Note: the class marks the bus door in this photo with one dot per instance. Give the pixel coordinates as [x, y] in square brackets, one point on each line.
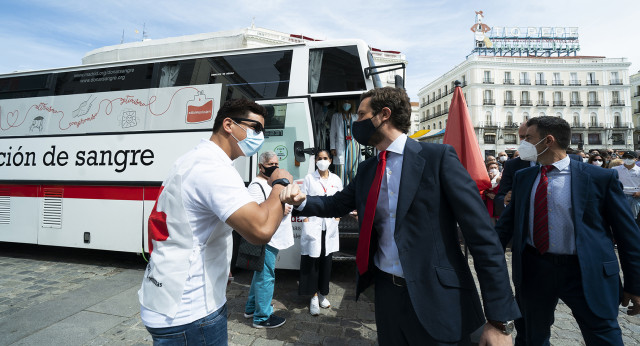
[288, 121]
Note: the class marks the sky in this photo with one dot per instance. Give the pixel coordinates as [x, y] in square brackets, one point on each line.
[435, 36]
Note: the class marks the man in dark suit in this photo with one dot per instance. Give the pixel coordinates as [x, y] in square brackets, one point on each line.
[424, 289]
[562, 218]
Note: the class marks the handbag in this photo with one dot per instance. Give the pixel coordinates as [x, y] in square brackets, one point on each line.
[251, 256]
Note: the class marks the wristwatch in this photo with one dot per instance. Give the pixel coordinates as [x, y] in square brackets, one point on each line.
[505, 327]
[281, 181]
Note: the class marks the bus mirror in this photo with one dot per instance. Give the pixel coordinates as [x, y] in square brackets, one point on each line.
[399, 82]
[299, 151]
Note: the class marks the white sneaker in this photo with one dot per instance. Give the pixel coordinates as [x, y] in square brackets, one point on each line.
[314, 308]
[324, 302]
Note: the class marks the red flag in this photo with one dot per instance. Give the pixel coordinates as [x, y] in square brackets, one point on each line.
[460, 134]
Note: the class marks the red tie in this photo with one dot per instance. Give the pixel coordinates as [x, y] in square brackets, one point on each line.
[362, 255]
[540, 213]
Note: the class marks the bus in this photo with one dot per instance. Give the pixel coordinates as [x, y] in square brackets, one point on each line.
[84, 150]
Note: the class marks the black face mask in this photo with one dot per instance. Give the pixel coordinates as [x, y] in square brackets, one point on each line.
[363, 130]
[269, 170]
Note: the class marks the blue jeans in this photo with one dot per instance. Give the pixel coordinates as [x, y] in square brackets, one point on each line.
[261, 292]
[209, 330]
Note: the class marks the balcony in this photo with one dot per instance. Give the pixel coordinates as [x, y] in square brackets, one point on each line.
[489, 124]
[636, 94]
[525, 82]
[423, 104]
[541, 82]
[615, 82]
[596, 125]
[526, 103]
[508, 81]
[576, 104]
[620, 125]
[509, 102]
[593, 82]
[489, 102]
[594, 104]
[575, 83]
[636, 111]
[617, 103]
[542, 104]
[487, 81]
[559, 104]
[557, 83]
[579, 125]
[593, 141]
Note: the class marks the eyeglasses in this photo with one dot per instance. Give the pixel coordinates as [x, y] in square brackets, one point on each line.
[256, 125]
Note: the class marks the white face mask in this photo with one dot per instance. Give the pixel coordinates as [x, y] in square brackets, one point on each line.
[596, 163]
[503, 158]
[629, 162]
[585, 160]
[323, 165]
[494, 171]
[528, 151]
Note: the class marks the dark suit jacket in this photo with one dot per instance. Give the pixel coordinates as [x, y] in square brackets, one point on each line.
[435, 194]
[506, 179]
[599, 208]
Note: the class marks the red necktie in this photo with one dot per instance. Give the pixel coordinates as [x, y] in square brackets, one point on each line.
[540, 213]
[364, 241]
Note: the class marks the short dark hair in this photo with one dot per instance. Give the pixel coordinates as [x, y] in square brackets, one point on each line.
[397, 100]
[237, 108]
[555, 126]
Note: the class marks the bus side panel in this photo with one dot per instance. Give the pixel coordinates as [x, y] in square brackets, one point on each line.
[112, 225]
[22, 224]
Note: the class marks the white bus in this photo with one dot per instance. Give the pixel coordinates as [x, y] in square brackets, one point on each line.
[83, 150]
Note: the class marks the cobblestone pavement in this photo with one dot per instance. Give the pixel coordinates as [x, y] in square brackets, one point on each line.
[36, 282]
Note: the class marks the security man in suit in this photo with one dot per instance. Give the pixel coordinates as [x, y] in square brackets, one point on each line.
[503, 197]
[563, 217]
[408, 244]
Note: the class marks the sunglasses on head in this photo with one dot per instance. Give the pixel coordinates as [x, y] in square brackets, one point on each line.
[255, 125]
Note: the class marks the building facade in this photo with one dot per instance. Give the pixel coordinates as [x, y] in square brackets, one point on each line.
[593, 94]
[634, 80]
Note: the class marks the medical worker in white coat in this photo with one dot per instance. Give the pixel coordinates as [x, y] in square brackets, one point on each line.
[319, 239]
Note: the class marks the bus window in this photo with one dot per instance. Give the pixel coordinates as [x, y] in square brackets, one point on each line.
[27, 86]
[127, 77]
[376, 77]
[335, 69]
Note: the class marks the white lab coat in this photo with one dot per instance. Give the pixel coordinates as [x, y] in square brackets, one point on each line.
[311, 237]
[337, 136]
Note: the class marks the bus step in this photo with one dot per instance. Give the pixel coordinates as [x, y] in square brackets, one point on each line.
[341, 256]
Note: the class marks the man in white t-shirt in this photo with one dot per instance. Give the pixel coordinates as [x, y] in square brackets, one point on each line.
[629, 176]
[261, 292]
[183, 290]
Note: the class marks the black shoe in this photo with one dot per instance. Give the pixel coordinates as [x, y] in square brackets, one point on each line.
[272, 322]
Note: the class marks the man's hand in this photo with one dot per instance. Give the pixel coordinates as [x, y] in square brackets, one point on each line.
[634, 308]
[636, 194]
[491, 336]
[490, 195]
[287, 209]
[507, 198]
[278, 174]
[291, 194]
[333, 153]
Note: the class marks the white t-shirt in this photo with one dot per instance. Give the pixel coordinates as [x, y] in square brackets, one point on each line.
[189, 269]
[283, 237]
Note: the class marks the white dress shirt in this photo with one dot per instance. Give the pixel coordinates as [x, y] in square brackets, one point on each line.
[562, 240]
[387, 258]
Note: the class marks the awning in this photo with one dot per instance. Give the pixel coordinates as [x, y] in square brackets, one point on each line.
[419, 134]
[441, 132]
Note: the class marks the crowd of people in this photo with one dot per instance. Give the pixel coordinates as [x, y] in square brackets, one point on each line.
[560, 216]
